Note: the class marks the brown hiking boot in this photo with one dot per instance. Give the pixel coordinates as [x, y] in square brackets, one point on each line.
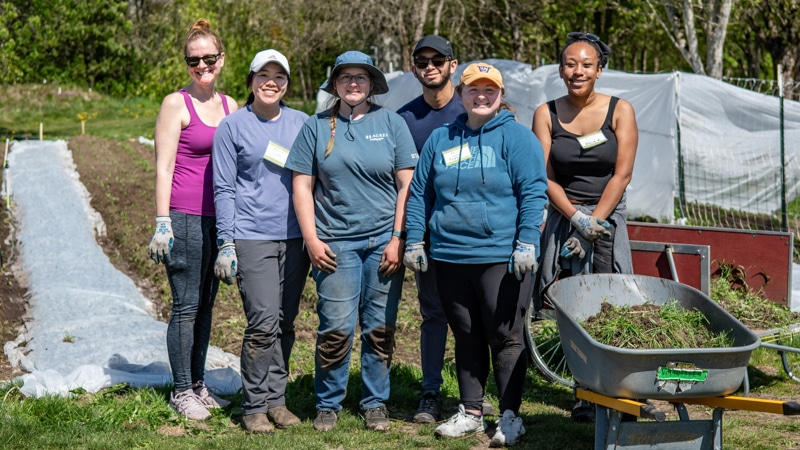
[325, 421]
[282, 417]
[377, 419]
[257, 424]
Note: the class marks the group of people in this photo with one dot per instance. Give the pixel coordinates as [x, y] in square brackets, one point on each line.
[451, 186]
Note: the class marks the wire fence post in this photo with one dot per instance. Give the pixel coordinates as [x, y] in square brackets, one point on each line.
[784, 212]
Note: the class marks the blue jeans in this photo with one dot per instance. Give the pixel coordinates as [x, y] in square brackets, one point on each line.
[271, 277]
[355, 291]
[433, 330]
[190, 271]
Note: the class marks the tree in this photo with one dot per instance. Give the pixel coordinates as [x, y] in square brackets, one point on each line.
[775, 27]
[678, 20]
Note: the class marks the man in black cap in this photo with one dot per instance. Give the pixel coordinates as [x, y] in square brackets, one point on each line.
[438, 105]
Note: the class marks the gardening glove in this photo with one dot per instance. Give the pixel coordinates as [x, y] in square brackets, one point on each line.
[575, 245]
[225, 266]
[161, 242]
[590, 227]
[415, 258]
[523, 259]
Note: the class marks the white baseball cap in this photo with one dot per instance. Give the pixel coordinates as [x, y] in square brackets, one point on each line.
[264, 57]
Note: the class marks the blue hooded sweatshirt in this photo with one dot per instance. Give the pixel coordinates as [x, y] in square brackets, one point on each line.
[477, 191]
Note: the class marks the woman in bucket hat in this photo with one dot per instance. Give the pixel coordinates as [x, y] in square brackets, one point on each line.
[352, 166]
[480, 190]
[259, 237]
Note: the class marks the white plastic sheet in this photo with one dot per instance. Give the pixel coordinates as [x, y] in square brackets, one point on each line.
[89, 326]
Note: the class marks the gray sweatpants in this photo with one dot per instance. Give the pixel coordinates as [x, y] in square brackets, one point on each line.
[271, 277]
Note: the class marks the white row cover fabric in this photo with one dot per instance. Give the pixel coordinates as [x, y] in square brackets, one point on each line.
[89, 326]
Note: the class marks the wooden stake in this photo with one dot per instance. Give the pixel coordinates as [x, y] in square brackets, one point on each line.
[41, 131]
[83, 127]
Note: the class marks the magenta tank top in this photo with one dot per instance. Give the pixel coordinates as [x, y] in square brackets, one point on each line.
[192, 179]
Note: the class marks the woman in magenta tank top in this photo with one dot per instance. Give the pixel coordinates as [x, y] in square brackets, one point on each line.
[185, 235]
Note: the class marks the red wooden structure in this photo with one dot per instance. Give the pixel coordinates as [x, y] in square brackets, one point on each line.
[763, 259]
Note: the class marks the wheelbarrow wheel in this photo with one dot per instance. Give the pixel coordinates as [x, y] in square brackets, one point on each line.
[790, 357]
[544, 345]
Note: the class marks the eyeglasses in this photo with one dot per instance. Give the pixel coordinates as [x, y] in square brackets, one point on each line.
[194, 61]
[576, 35]
[438, 61]
[346, 78]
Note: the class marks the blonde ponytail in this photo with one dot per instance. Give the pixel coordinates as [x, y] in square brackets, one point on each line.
[334, 116]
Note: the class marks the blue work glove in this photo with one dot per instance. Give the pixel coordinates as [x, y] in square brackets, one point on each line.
[575, 245]
[523, 259]
[590, 227]
[161, 242]
[415, 258]
[225, 265]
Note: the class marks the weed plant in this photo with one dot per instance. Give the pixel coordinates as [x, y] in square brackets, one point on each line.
[651, 326]
[750, 308]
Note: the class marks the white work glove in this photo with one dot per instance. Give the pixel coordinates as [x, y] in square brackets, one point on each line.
[161, 242]
[575, 245]
[415, 258]
[590, 227]
[523, 259]
[225, 265]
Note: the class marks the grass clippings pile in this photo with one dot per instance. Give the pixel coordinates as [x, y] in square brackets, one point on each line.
[748, 307]
[650, 326]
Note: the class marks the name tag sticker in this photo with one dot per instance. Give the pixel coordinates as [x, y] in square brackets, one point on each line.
[276, 154]
[456, 154]
[592, 139]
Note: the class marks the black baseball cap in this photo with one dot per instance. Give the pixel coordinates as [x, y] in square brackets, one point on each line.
[437, 43]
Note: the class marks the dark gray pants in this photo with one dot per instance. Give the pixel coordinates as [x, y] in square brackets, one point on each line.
[190, 271]
[433, 330]
[271, 277]
[485, 307]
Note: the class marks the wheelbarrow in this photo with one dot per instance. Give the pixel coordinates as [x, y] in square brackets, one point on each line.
[620, 380]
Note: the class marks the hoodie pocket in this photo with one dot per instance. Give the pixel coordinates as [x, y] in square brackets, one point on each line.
[463, 219]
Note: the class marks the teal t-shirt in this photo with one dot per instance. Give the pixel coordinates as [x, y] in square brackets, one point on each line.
[355, 192]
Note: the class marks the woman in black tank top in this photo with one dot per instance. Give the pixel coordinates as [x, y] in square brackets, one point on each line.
[589, 141]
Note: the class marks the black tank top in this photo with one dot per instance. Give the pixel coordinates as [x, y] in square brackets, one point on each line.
[583, 173]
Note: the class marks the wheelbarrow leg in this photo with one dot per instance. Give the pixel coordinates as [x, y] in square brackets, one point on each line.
[606, 428]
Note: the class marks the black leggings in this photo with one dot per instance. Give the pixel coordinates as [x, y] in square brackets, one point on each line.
[485, 307]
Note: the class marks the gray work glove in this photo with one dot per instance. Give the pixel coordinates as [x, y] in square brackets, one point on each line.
[225, 266]
[523, 259]
[575, 245]
[590, 227]
[415, 258]
[161, 242]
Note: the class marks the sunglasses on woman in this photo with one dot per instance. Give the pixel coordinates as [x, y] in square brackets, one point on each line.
[438, 61]
[194, 61]
[580, 35]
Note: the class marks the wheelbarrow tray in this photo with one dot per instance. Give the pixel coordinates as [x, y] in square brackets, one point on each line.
[647, 373]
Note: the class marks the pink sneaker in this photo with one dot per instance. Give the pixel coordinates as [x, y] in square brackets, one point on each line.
[189, 405]
[208, 398]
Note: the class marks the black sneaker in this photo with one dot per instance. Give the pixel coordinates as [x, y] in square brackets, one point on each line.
[430, 408]
[583, 412]
[325, 421]
[377, 419]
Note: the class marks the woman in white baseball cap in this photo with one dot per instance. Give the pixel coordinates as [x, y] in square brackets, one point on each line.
[259, 237]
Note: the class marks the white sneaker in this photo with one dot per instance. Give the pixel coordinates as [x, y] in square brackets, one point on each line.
[188, 404]
[208, 398]
[509, 430]
[461, 424]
